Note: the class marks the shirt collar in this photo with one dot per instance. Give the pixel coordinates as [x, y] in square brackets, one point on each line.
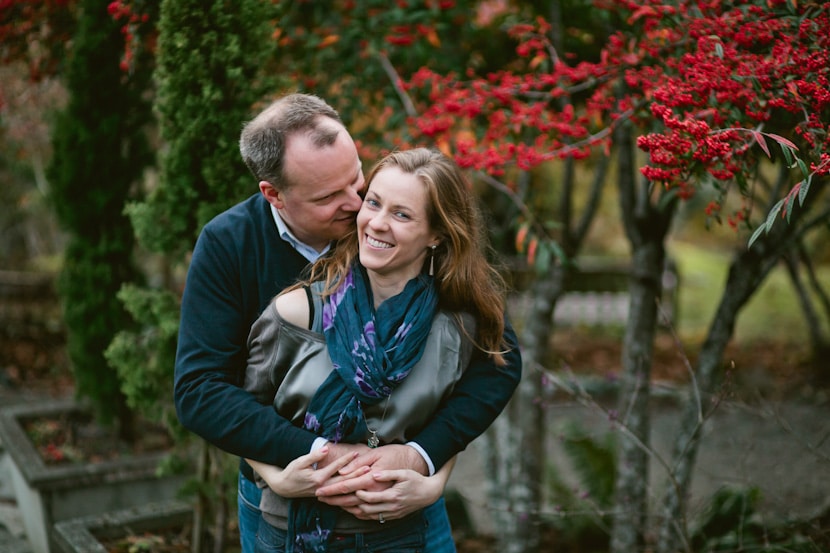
[302, 248]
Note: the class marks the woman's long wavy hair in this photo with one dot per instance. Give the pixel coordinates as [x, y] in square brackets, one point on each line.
[466, 281]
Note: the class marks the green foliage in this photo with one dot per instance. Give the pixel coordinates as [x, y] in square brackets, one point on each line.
[209, 57]
[584, 521]
[208, 74]
[99, 153]
[142, 358]
[730, 523]
[207, 83]
[785, 206]
[727, 517]
[89, 281]
[206, 78]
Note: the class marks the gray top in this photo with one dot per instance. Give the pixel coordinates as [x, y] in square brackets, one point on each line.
[288, 363]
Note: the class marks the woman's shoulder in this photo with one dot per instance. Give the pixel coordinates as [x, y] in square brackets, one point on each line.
[292, 307]
[460, 322]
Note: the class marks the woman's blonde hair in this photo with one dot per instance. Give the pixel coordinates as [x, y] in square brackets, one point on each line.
[465, 280]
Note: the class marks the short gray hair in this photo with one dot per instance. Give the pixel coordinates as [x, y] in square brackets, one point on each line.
[263, 139]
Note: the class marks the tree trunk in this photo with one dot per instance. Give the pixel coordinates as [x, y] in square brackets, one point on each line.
[516, 444]
[646, 228]
[819, 375]
[630, 505]
[747, 271]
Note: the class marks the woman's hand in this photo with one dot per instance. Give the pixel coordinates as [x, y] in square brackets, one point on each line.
[301, 477]
[403, 491]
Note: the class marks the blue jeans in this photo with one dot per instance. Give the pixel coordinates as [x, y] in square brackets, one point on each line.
[439, 533]
[249, 513]
[438, 537]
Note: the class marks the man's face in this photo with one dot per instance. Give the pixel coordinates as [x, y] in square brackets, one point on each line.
[325, 192]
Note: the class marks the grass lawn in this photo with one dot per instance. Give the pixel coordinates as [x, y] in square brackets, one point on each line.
[773, 312]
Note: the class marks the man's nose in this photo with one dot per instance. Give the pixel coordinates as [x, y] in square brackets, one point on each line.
[355, 199]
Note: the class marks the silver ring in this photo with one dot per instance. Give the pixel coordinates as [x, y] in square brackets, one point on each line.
[380, 518]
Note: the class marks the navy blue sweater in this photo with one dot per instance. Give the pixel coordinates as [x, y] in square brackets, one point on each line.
[239, 264]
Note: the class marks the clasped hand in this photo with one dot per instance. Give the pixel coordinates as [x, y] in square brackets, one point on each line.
[362, 481]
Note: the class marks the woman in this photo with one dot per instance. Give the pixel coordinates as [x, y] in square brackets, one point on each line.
[369, 347]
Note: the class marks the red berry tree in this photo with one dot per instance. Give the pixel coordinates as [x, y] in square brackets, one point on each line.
[689, 97]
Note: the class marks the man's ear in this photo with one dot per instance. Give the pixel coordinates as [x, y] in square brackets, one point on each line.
[272, 195]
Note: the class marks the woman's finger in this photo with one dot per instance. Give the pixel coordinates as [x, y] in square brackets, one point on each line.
[333, 467]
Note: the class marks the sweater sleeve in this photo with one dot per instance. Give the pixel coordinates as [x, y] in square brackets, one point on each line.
[211, 359]
[479, 397]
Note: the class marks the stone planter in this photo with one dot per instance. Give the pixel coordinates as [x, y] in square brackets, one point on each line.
[48, 494]
[87, 534]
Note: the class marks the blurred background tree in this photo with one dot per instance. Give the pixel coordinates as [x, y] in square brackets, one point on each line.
[711, 95]
[100, 153]
[209, 77]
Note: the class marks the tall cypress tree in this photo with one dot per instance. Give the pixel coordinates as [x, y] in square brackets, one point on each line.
[208, 70]
[208, 73]
[100, 152]
[210, 59]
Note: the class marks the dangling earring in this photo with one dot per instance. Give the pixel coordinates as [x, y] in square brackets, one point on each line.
[432, 261]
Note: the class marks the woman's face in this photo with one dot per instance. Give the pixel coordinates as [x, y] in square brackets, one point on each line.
[392, 225]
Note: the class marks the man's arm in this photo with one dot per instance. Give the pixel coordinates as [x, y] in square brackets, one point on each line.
[477, 399]
[210, 363]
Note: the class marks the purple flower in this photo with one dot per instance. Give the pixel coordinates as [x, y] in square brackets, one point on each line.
[314, 541]
[330, 307]
[311, 422]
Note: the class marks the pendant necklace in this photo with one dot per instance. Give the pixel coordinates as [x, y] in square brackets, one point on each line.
[373, 440]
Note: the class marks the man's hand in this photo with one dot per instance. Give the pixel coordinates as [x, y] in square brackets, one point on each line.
[340, 491]
[389, 457]
[338, 451]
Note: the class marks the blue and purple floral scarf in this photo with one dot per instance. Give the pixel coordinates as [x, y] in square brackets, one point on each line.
[372, 352]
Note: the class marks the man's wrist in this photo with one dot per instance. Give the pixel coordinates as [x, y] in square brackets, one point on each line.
[430, 468]
[318, 443]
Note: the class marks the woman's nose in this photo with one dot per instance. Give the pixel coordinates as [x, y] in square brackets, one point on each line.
[378, 220]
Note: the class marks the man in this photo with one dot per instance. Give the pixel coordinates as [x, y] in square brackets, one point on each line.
[310, 181]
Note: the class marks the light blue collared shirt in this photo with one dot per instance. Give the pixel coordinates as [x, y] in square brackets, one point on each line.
[304, 249]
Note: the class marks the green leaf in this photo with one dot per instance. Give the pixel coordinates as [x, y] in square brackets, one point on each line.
[559, 253]
[788, 154]
[790, 202]
[543, 258]
[719, 50]
[805, 188]
[803, 167]
[773, 213]
[755, 235]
